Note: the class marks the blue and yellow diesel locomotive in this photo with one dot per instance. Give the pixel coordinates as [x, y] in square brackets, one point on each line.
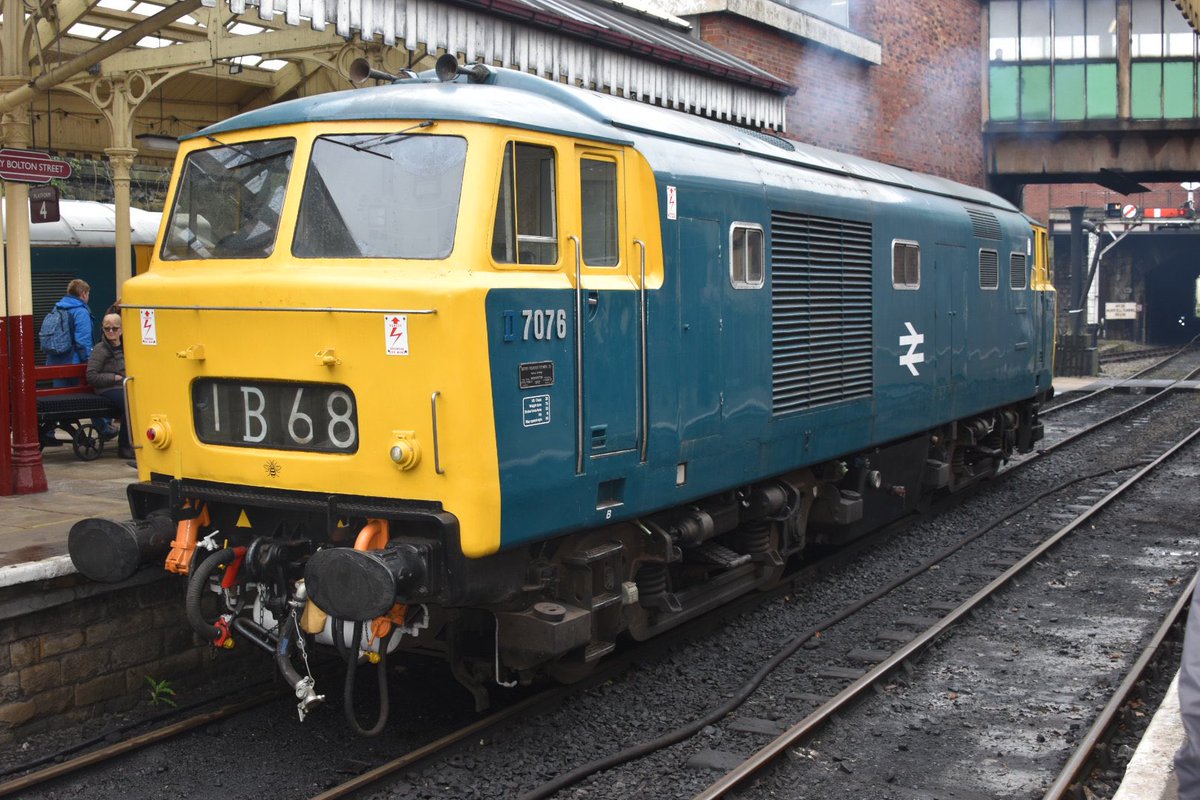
[480, 365]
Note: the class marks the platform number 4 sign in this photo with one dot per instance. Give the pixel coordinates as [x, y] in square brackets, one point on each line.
[43, 204]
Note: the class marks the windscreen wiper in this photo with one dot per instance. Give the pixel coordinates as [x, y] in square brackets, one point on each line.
[379, 141]
[247, 153]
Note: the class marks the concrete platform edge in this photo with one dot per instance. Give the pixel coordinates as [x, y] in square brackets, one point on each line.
[1150, 774]
[36, 571]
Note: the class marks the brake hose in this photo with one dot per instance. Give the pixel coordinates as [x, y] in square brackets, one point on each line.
[351, 656]
[195, 590]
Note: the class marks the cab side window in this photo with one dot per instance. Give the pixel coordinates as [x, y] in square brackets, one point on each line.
[906, 265]
[746, 255]
[598, 192]
[526, 226]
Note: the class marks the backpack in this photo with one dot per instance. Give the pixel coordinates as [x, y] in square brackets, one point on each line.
[57, 335]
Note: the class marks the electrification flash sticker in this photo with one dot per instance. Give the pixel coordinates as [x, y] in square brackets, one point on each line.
[672, 202]
[395, 334]
[148, 326]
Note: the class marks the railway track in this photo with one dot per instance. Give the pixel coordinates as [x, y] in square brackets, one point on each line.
[423, 753]
[1093, 750]
[1179, 364]
[872, 678]
[152, 737]
[1137, 355]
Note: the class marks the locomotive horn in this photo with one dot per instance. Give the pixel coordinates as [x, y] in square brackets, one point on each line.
[447, 68]
[361, 71]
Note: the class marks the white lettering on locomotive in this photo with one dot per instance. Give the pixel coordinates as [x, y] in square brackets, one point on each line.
[543, 325]
[254, 414]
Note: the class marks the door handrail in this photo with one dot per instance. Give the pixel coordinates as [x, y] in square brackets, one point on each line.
[578, 354]
[644, 433]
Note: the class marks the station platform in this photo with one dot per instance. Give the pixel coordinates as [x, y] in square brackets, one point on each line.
[34, 527]
[1150, 774]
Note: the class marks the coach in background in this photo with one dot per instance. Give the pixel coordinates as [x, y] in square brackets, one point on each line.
[106, 374]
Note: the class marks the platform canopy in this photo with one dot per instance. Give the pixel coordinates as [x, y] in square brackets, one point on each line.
[248, 53]
[1191, 10]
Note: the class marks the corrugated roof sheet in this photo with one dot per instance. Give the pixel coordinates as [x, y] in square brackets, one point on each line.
[610, 46]
[631, 32]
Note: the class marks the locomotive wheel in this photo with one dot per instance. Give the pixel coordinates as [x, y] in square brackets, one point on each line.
[566, 669]
[87, 443]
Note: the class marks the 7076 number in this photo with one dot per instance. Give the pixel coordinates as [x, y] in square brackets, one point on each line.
[545, 324]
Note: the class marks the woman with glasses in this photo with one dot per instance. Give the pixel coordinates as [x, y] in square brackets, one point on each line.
[106, 374]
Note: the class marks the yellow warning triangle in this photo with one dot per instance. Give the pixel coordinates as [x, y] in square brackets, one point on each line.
[243, 520]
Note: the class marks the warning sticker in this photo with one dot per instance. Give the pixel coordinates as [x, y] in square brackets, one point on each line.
[395, 334]
[149, 327]
[535, 410]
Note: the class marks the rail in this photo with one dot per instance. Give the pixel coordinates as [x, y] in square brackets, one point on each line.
[858, 688]
[1076, 767]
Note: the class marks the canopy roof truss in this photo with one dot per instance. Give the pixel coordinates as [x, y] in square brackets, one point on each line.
[234, 55]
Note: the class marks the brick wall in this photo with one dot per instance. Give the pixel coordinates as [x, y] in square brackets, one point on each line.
[920, 109]
[71, 649]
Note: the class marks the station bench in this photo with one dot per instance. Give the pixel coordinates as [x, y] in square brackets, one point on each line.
[66, 409]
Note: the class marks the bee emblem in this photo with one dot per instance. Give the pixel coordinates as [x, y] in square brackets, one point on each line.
[273, 468]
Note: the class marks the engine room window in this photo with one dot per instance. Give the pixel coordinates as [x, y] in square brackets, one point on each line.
[989, 269]
[526, 227]
[598, 194]
[906, 265]
[229, 201]
[746, 256]
[1017, 273]
[381, 196]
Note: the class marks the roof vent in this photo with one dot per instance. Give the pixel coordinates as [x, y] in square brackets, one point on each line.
[778, 141]
[985, 224]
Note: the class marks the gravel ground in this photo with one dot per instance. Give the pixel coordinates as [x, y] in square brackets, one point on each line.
[995, 709]
[1104, 782]
[268, 752]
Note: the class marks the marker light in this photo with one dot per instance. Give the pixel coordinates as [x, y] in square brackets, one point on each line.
[405, 451]
[158, 434]
[405, 454]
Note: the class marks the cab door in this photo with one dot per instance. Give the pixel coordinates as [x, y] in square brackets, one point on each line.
[949, 328]
[607, 266]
